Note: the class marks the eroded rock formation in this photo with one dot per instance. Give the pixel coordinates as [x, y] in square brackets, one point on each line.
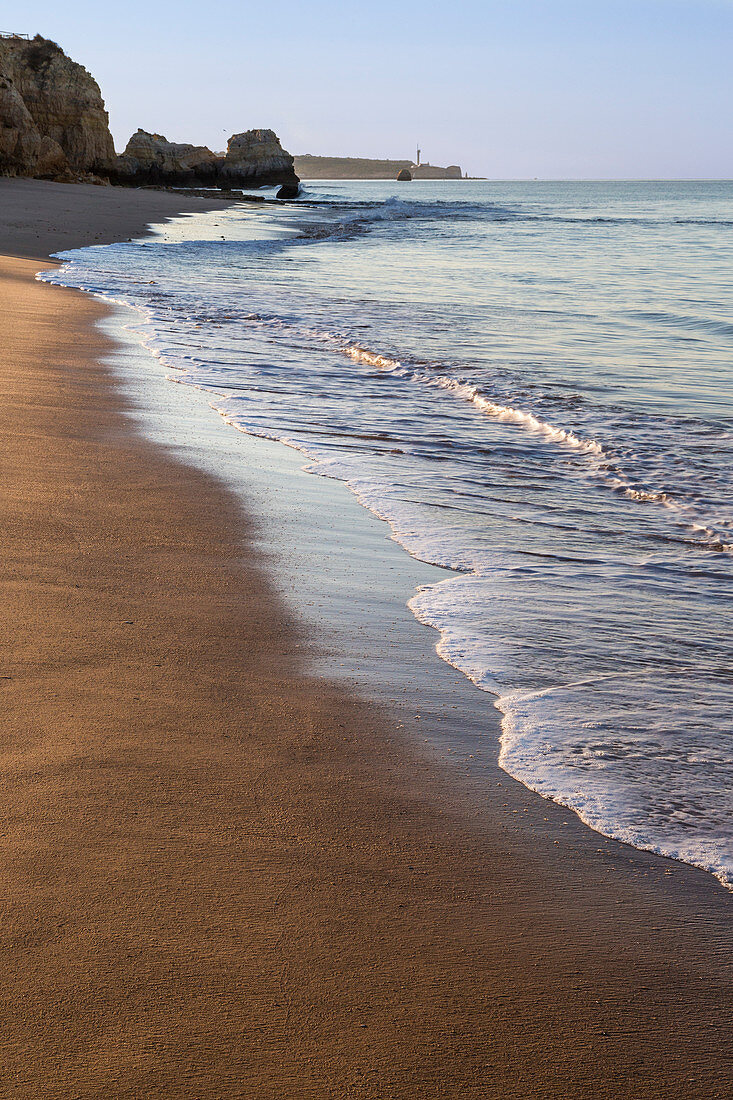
[53, 124]
[257, 154]
[254, 158]
[52, 116]
[151, 158]
[21, 146]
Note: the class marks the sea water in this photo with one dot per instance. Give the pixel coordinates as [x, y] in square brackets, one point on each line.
[533, 384]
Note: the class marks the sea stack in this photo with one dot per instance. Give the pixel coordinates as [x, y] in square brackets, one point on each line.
[404, 175]
[258, 155]
[254, 158]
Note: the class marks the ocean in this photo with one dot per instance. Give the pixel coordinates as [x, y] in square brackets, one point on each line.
[532, 383]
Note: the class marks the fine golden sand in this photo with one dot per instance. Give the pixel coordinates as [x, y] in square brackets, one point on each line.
[222, 877]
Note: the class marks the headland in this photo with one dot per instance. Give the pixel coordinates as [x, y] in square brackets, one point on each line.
[363, 168]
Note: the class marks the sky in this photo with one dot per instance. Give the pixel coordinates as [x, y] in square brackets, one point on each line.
[508, 89]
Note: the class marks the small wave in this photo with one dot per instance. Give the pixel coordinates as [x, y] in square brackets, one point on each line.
[528, 420]
[570, 773]
[604, 463]
[358, 218]
[371, 358]
[621, 221]
[362, 217]
[645, 496]
[708, 326]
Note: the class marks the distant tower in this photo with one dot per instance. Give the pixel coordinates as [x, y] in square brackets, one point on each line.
[417, 159]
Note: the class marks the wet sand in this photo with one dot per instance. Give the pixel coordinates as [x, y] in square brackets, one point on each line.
[225, 875]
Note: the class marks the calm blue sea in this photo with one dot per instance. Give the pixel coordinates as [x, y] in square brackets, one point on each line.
[533, 384]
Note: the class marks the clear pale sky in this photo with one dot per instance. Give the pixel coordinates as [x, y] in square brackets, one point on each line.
[560, 88]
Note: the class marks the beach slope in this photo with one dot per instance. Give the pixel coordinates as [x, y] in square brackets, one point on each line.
[225, 877]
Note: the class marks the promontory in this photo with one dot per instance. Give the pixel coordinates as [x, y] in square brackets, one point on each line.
[54, 125]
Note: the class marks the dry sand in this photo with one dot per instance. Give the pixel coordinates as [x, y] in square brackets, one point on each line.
[222, 877]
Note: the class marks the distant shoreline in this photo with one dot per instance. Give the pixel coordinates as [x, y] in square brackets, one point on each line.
[364, 168]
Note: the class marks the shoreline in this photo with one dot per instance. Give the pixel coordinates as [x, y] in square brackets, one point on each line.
[429, 607]
[370, 925]
[358, 589]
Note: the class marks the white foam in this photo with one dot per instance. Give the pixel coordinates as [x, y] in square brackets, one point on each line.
[603, 463]
[574, 777]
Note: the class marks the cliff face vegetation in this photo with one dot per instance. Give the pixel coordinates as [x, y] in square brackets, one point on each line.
[53, 125]
[52, 116]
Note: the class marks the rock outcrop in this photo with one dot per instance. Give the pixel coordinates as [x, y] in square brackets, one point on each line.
[52, 116]
[53, 125]
[404, 175]
[254, 158]
[257, 154]
[151, 158]
[22, 149]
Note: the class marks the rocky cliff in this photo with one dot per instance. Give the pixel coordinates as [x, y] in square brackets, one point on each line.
[22, 149]
[53, 124]
[254, 158]
[52, 116]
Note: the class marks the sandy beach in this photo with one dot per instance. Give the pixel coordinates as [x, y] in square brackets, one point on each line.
[225, 875]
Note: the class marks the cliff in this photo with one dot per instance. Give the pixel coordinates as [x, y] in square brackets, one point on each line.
[52, 116]
[361, 168]
[22, 149]
[53, 124]
[254, 158]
